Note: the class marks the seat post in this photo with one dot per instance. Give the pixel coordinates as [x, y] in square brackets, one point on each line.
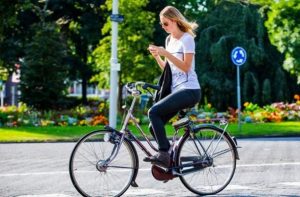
[182, 113]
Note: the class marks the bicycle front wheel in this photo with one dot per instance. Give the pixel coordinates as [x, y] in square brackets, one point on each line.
[91, 171]
[207, 161]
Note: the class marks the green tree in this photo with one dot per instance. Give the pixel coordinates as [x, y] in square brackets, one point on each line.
[80, 24]
[158, 35]
[251, 88]
[16, 18]
[266, 92]
[224, 26]
[44, 70]
[192, 9]
[280, 86]
[135, 35]
[284, 30]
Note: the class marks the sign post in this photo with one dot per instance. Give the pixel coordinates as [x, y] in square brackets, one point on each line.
[238, 57]
[2, 88]
[114, 65]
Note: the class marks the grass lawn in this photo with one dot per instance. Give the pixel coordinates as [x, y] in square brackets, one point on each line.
[72, 133]
[266, 129]
[42, 134]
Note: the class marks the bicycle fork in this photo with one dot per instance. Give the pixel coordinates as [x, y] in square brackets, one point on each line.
[117, 141]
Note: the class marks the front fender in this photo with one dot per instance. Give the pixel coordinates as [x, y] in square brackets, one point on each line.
[132, 148]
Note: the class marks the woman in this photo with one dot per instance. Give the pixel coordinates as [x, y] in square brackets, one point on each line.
[179, 54]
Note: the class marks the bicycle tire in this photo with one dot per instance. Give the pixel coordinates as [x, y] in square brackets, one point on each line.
[211, 173]
[112, 180]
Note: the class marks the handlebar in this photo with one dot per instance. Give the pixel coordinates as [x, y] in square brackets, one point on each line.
[132, 87]
[148, 85]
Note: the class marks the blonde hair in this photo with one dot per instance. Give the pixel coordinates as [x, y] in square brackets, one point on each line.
[184, 25]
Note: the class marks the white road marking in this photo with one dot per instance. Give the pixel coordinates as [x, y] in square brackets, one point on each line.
[34, 173]
[31, 160]
[48, 173]
[148, 191]
[144, 169]
[45, 195]
[268, 164]
[133, 192]
[238, 187]
[297, 184]
[144, 191]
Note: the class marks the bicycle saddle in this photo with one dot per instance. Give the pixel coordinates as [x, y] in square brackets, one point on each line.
[181, 122]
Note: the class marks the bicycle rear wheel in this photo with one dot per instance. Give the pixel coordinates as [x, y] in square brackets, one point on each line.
[89, 171]
[208, 161]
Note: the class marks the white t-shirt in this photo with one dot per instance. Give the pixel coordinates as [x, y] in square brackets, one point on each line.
[180, 79]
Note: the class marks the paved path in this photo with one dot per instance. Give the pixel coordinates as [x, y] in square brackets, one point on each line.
[268, 167]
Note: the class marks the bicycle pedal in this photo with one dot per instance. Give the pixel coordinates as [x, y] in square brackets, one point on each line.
[162, 166]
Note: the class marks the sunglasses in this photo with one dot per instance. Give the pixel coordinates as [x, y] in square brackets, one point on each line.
[164, 24]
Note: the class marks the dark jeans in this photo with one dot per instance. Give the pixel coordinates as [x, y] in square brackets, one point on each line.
[162, 111]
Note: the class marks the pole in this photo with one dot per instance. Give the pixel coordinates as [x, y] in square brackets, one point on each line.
[114, 68]
[238, 57]
[2, 95]
[13, 95]
[239, 96]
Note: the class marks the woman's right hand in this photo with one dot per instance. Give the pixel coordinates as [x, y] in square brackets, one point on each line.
[153, 50]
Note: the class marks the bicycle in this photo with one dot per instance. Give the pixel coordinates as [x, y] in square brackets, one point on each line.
[105, 162]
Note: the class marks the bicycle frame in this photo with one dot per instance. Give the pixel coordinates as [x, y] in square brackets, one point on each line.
[193, 148]
[126, 132]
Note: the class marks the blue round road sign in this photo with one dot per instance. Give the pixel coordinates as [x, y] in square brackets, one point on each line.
[238, 56]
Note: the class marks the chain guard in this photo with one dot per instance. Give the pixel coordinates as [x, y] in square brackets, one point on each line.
[160, 174]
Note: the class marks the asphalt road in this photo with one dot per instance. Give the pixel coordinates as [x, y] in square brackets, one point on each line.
[268, 167]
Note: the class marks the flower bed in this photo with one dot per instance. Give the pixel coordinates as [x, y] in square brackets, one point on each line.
[276, 112]
[96, 114]
[81, 115]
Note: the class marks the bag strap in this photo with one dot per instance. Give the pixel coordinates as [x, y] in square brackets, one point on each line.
[168, 40]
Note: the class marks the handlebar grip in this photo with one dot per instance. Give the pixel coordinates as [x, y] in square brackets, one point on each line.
[147, 85]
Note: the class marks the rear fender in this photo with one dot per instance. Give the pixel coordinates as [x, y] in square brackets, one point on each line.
[232, 140]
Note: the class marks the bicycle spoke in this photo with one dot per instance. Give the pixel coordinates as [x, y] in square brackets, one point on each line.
[92, 171]
[121, 167]
[87, 159]
[229, 150]
[212, 156]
